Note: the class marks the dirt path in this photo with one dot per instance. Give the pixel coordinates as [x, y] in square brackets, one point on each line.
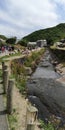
[20, 104]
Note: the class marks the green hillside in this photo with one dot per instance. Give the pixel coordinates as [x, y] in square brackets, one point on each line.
[3, 37]
[5, 40]
[52, 34]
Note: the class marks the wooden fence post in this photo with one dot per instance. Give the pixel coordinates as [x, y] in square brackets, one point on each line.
[5, 67]
[30, 126]
[10, 96]
[5, 80]
[31, 117]
[3, 63]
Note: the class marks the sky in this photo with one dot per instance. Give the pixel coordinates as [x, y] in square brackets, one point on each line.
[22, 17]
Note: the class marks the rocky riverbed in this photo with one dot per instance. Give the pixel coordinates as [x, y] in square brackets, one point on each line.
[47, 93]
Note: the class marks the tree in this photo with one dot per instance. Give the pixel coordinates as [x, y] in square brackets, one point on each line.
[11, 40]
[22, 42]
[3, 37]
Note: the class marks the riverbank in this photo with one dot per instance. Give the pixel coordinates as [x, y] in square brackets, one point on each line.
[60, 68]
[59, 63]
[44, 91]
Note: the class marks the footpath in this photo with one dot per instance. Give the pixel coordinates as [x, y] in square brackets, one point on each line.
[3, 116]
[19, 104]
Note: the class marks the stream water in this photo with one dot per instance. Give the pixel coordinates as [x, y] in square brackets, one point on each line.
[45, 92]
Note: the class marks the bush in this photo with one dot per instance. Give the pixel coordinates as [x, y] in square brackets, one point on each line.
[19, 70]
[21, 84]
[35, 56]
[11, 40]
[22, 43]
[48, 126]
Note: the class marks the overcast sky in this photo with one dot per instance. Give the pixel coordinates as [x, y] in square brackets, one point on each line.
[21, 17]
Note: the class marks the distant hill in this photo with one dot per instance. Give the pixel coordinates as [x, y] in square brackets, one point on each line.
[3, 37]
[52, 34]
[5, 40]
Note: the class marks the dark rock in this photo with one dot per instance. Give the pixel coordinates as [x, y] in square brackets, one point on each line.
[49, 93]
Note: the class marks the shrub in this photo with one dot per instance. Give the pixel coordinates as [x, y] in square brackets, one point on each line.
[48, 126]
[21, 84]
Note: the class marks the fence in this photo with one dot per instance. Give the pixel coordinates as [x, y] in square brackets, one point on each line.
[8, 85]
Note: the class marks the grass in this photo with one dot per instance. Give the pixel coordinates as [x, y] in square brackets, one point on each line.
[48, 126]
[12, 120]
[21, 85]
[34, 57]
[19, 71]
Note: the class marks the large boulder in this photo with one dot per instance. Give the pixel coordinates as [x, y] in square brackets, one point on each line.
[50, 92]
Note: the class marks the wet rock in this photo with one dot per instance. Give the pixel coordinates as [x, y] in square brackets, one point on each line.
[45, 64]
[49, 97]
[42, 110]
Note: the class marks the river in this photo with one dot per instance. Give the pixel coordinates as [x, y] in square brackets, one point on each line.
[46, 92]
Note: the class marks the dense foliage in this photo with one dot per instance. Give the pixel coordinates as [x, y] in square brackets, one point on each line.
[22, 42]
[60, 54]
[48, 126]
[11, 40]
[34, 59]
[52, 34]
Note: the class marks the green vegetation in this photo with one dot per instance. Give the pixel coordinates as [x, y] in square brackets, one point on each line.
[1, 43]
[48, 126]
[2, 40]
[11, 40]
[50, 34]
[12, 120]
[19, 70]
[21, 84]
[60, 54]
[3, 37]
[35, 57]
[22, 42]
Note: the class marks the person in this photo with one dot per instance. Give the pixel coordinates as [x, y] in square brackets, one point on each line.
[3, 49]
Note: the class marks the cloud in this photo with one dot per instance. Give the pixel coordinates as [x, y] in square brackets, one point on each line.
[25, 16]
[59, 1]
[60, 9]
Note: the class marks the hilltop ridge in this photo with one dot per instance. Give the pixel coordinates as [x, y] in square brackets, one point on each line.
[52, 34]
